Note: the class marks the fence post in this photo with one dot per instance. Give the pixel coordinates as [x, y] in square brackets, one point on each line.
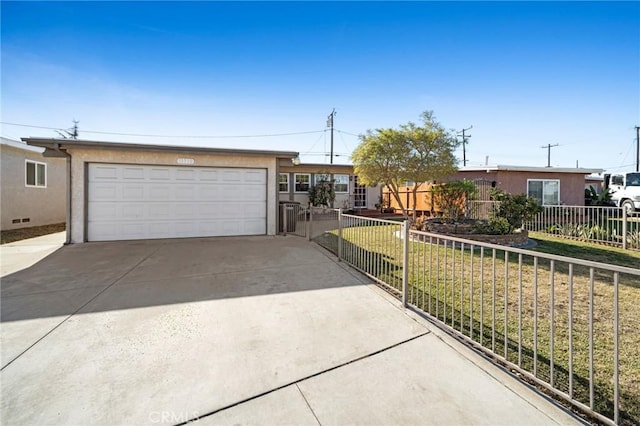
[310, 225]
[339, 235]
[405, 261]
[284, 219]
[624, 228]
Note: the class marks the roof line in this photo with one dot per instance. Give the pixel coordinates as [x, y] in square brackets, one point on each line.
[52, 143]
[502, 167]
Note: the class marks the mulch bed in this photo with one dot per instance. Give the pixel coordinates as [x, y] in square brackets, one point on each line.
[12, 235]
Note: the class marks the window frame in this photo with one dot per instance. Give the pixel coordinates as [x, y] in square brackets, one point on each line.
[36, 174]
[336, 183]
[542, 203]
[295, 183]
[282, 183]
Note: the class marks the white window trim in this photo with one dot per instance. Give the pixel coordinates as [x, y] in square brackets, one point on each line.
[295, 181]
[287, 175]
[348, 185]
[36, 163]
[545, 180]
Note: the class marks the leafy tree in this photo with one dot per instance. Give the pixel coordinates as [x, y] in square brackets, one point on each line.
[417, 153]
[592, 198]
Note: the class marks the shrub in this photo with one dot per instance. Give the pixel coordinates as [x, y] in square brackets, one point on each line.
[514, 208]
[451, 198]
[494, 226]
[633, 240]
[322, 194]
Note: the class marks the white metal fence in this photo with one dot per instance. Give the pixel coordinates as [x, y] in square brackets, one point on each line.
[558, 322]
[599, 224]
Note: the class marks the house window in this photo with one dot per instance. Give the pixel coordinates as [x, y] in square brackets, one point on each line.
[283, 183]
[546, 191]
[302, 181]
[35, 174]
[321, 177]
[341, 183]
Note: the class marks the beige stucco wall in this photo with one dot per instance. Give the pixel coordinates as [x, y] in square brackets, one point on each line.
[82, 156]
[41, 206]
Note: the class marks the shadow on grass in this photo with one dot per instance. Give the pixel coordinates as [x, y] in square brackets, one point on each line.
[382, 266]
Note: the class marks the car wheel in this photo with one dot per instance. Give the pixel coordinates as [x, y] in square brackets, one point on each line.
[628, 206]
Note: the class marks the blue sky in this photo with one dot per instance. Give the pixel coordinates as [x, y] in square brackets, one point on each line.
[523, 74]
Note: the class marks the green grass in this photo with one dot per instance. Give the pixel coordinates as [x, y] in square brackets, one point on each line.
[584, 250]
[458, 288]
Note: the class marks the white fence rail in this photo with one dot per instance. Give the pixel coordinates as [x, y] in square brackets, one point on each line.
[604, 225]
[557, 321]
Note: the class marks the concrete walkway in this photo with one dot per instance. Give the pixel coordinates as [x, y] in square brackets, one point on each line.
[19, 255]
[254, 330]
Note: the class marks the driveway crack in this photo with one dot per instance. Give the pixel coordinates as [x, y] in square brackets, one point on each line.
[310, 376]
[308, 405]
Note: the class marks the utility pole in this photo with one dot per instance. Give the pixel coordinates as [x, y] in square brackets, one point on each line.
[464, 142]
[330, 124]
[637, 148]
[548, 148]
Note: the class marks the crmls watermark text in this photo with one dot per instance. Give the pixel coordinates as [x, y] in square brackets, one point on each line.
[171, 416]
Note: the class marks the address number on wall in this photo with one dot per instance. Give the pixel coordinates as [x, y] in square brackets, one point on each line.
[186, 161]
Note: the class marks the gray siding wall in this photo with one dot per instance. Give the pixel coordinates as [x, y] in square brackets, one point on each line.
[40, 206]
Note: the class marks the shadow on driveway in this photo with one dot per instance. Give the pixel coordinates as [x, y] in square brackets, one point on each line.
[137, 274]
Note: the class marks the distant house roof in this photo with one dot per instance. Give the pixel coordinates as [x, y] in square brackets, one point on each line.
[20, 145]
[63, 144]
[506, 168]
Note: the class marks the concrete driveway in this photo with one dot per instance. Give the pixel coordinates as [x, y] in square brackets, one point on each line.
[254, 330]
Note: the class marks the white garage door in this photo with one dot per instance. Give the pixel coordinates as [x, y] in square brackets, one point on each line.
[131, 202]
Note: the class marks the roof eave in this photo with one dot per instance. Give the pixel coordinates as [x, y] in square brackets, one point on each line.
[64, 144]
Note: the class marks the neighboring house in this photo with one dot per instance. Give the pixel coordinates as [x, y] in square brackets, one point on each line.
[122, 191]
[597, 182]
[32, 187]
[549, 185]
[295, 180]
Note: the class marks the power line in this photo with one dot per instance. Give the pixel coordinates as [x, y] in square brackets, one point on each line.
[169, 136]
[347, 133]
[317, 140]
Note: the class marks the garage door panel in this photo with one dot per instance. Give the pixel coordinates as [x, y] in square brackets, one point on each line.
[208, 175]
[255, 177]
[185, 175]
[130, 192]
[103, 192]
[157, 193]
[159, 174]
[100, 172]
[133, 173]
[139, 202]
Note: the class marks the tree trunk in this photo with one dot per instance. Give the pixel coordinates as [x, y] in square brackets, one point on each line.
[415, 199]
[396, 194]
